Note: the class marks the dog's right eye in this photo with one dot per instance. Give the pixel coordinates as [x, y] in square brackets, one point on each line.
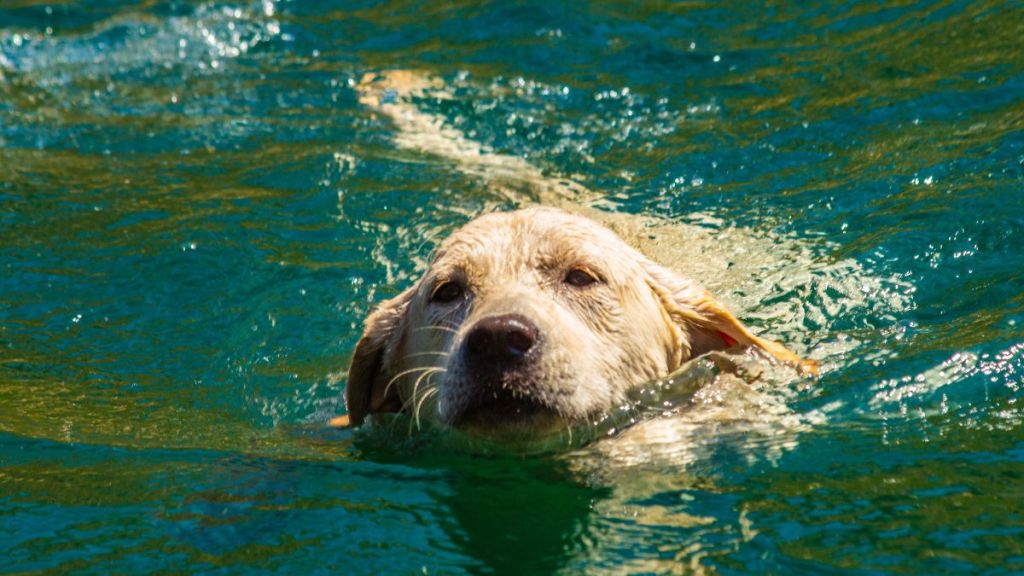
[447, 292]
[580, 278]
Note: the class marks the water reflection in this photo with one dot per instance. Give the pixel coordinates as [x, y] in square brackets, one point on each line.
[518, 518]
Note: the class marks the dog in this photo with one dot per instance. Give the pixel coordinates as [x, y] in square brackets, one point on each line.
[535, 318]
[529, 319]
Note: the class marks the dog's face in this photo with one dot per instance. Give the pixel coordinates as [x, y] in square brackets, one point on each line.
[530, 318]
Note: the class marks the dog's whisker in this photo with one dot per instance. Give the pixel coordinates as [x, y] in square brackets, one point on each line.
[415, 354]
[437, 327]
[426, 374]
[409, 371]
[415, 389]
[415, 419]
[412, 399]
[429, 393]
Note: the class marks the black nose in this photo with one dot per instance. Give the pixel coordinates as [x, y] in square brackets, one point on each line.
[501, 339]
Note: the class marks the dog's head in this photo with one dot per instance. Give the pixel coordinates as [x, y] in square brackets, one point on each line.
[529, 317]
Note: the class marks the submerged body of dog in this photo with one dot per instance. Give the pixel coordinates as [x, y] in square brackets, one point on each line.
[534, 318]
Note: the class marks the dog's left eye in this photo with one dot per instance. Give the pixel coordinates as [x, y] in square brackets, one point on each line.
[580, 278]
[447, 292]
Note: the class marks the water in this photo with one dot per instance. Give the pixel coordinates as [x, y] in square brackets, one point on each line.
[196, 214]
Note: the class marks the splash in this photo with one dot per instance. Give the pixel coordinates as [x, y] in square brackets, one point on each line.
[212, 34]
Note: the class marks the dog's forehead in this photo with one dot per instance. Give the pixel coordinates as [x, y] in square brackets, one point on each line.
[525, 236]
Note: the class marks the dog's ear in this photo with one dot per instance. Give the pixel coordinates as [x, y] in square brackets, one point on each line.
[705, 324]
[365, 391]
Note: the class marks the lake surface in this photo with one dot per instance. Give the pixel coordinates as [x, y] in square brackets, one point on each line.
[196, 214]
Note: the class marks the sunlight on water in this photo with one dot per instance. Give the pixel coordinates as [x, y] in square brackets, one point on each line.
[197, 212]
[211, 33]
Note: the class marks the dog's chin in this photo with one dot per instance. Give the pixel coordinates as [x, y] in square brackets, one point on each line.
[503, 415]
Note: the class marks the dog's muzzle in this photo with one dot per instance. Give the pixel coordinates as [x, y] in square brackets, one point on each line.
[500, 353]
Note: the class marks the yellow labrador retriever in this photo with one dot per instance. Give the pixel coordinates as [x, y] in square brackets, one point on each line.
[533, 318]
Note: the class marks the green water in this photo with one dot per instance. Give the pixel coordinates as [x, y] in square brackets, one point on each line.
[196, 215]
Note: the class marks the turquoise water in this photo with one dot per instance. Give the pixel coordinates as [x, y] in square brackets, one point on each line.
[196, 214]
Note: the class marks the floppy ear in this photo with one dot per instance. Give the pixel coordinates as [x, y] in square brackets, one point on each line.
[364, 392]
[706, 324]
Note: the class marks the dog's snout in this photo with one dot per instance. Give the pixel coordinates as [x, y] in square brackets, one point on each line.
[501, 338]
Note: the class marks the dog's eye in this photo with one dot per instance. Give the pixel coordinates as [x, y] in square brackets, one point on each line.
[447, 292]
[579, 278]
